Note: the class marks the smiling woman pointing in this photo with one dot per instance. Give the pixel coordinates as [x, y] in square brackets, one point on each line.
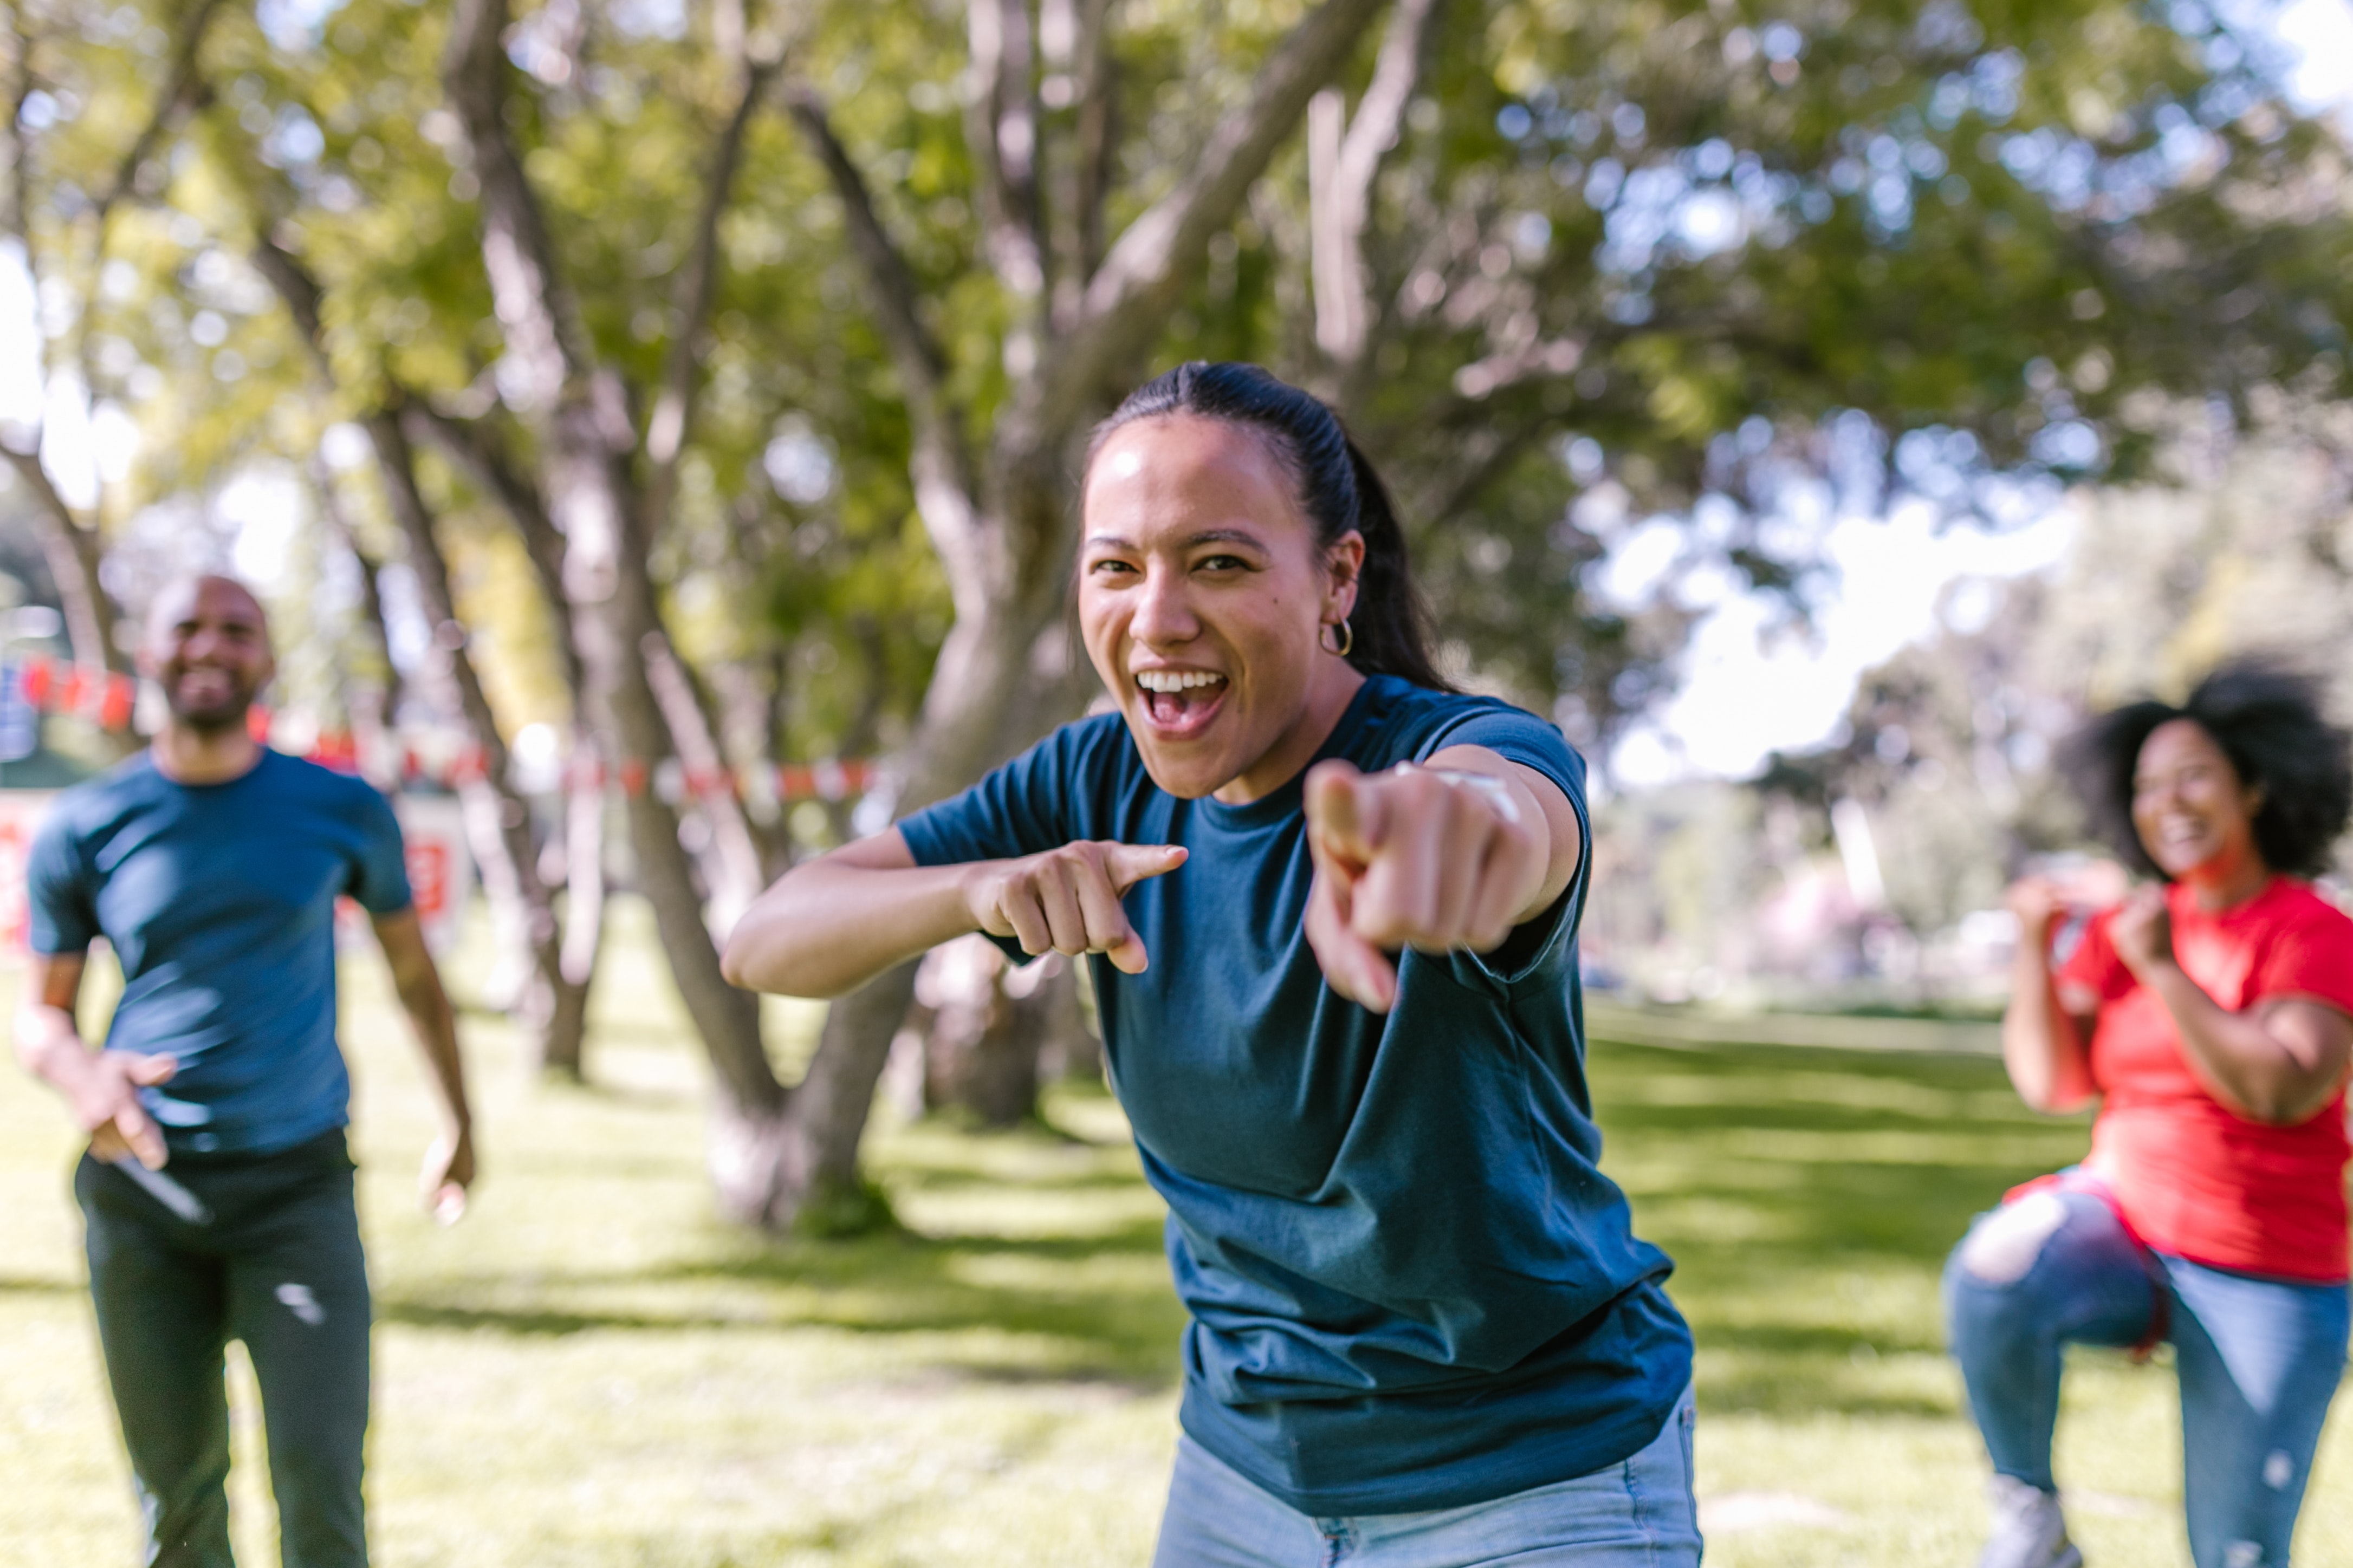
[1333, 905]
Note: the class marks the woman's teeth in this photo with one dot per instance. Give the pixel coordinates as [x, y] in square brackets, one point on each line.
[1175, 680]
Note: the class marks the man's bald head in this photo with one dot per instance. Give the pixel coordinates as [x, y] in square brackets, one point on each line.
[206, 644]
[198, 592]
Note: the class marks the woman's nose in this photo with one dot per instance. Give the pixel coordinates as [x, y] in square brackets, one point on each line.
[1163, 615]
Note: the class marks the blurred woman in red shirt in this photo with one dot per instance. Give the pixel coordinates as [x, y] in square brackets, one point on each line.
[2211, 1016]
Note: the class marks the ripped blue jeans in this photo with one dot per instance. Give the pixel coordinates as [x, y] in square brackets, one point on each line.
[2259, 1359]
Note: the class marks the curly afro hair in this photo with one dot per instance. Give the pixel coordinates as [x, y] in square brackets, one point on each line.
[2268, 720]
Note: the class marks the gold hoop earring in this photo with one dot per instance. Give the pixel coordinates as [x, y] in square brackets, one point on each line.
[1346, 637]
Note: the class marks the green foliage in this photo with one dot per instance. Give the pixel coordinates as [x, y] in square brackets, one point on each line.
[1694, 237]
[2237, 544]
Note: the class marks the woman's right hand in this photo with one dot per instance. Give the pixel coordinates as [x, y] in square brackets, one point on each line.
[1068, 900]
[2037, 902]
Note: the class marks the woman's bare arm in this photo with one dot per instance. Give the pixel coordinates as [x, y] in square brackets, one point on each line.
[833, 924]
[2281, 1061]
[2043, 1038]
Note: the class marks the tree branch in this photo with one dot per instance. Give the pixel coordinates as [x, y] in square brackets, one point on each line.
[476, 452]
[1085, 183]
[941, 467]
[15, 208]
[889, 284]
[73, 553]
[1001, 128]
[1341, 169]
[182, 90]
[338, 527]
[1139, 282]
[673, 413]
[546, 334]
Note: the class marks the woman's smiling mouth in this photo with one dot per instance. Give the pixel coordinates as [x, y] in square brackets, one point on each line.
[1179, 703]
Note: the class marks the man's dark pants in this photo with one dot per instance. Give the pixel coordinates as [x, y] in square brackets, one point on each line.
[278, 1266]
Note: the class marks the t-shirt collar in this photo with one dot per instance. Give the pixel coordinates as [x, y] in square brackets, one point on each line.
[1285, 800]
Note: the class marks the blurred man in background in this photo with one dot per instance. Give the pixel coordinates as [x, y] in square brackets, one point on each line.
[218, 1188]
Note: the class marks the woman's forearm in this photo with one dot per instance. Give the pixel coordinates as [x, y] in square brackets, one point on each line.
[2040, 1044]
[829, 926]
[2242, 1062]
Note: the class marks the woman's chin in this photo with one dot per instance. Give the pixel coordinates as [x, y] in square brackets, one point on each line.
[1186, 777]
[2194, 862]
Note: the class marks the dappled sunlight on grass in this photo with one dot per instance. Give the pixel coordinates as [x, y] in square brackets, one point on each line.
[590, 1372]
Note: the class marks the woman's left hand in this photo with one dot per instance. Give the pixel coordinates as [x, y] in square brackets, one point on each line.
[2142, 932]
[1430, 859]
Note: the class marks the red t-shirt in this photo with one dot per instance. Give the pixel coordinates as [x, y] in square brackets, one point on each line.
[2193, 1178]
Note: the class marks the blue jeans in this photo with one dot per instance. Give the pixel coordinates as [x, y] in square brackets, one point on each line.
[2258, 1358]
[1636, 1514]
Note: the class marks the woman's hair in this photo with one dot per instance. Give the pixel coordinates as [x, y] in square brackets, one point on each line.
[1339, 490]
[2267, 719]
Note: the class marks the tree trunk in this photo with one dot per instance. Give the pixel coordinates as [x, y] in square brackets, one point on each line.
[997, 1033]
[498, 818]
[561, 1045]
[587, 440]
[73, 552]
[1003, 531]
[796, 1168]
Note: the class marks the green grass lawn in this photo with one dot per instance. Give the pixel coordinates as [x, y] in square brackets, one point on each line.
[589, 1371]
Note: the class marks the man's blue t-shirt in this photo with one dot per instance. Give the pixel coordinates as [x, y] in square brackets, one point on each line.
[1411, 1287]
[219, 902]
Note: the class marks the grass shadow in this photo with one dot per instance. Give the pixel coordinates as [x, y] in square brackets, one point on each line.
[1084, 1323]
[1809, 1198]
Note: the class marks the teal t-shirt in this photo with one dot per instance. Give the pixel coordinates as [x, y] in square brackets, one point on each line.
[219, 902]
[1411, 1285]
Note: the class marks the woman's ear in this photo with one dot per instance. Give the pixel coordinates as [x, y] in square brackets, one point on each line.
[1344, 564]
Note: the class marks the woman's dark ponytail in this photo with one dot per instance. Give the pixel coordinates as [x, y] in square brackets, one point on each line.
[1338, 489]
[1390, 622]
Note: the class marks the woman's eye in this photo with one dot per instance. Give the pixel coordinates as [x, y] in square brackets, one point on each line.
[1100, 568]
[1221, 563]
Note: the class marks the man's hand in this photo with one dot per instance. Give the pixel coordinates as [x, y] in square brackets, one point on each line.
[1420, 857]
[104, 1097]
[1067, 899]
[2142, 932]
[449, 1172]
[100, 1089]
[449, 1163]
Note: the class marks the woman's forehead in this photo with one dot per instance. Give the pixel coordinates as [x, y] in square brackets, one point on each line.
[1179, 470]
[2177, 741]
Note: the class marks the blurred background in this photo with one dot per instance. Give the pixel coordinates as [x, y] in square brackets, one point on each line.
[653, 427]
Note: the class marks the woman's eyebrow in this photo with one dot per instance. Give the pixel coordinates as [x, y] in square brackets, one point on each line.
[1191, 542]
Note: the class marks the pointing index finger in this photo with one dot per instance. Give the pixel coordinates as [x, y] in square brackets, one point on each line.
[1343, 817]
[1129, 864]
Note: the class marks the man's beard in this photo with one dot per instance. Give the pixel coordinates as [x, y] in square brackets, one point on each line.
[214, 719]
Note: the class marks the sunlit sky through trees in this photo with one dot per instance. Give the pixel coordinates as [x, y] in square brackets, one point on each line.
[1739, 700]
[1750, 681]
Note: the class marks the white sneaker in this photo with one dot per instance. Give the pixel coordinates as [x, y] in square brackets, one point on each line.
[2029, 1531]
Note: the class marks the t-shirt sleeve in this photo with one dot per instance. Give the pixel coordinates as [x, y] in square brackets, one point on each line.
[1516, 737]
[1542, 944]
[379, 877]
[2311, 956]
[1022, 809]
[60, 901]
